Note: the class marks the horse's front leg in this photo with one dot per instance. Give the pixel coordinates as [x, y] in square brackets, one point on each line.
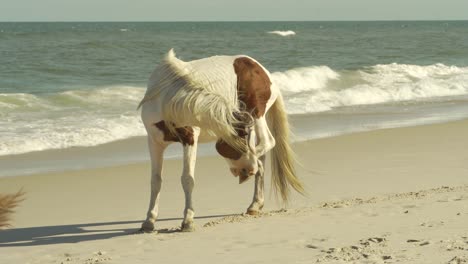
[265, 140]
[156, 149]
[258, 198]
[188, 180]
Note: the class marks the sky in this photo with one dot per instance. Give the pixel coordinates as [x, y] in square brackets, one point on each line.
[232, 10]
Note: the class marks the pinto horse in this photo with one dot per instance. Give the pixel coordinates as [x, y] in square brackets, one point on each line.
[227, 99]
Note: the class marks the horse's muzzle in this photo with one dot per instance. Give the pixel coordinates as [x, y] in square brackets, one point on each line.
[245, 174]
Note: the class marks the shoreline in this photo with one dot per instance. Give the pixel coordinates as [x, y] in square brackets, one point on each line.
[134, 150]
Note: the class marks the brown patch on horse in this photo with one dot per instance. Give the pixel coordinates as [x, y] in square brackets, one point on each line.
[183, 135]
[253, 88]
[225, 150]
[253, 85]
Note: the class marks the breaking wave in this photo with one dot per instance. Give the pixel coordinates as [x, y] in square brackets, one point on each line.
[73, 118]
[317, 89]
[30, 122]
[283, 33]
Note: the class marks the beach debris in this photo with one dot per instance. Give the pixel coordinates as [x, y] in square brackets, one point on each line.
[412, 240]
[333, 250]
[356, 248]
[376, 239]
[8, 202]
[370, 248]
[68, 258]
[455, 245]
[98, 258]
[457, 260]
[237, 218]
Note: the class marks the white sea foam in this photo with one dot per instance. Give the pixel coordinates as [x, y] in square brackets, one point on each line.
[283, 33]
[319, 89]
[92, 117]
[304, 79]
[73, 118]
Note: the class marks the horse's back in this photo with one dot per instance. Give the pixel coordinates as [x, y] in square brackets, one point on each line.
[178, 89]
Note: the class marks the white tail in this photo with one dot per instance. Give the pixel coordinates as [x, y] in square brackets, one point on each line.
[282, 156]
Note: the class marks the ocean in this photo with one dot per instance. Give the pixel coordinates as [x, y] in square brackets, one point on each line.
[78, 84]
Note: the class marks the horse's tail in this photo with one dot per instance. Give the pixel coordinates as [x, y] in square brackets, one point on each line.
[282, 156]
[8, 202]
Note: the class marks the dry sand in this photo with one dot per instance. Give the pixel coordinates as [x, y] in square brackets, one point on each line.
[386, 196]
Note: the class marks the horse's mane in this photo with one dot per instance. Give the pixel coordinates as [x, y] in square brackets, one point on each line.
[192, 98]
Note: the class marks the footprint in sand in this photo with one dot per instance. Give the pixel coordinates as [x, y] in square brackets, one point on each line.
[409, 206]
[458, 260]
[455, 244]
[432, 224]
[418, 242]
[452, 199]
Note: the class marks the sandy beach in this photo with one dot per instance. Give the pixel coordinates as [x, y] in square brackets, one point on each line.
[384, 196]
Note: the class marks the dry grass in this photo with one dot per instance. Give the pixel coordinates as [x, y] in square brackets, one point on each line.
[8, 202]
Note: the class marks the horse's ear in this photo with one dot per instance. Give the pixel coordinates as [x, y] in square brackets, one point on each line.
[171, 53]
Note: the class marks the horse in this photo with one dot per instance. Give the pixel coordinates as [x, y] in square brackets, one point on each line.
[227, 99]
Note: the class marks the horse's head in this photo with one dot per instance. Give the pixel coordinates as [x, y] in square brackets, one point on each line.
[243, 164]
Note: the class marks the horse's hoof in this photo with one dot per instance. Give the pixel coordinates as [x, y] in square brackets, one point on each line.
[188, 227]
[255, 208]
[147, 227]
[253, 212]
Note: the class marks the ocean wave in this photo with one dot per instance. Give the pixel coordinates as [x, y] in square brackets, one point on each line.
[66, 132]
[304, 79]
[318, 89]
[283, 33]
[101, 97]
[68, 119]
[89, 117]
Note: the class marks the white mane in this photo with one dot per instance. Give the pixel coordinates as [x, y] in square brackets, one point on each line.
[199, 93]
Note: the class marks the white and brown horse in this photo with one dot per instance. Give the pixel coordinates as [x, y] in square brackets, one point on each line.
[227, 99]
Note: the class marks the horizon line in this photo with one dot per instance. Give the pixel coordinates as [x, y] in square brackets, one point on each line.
[221, 21]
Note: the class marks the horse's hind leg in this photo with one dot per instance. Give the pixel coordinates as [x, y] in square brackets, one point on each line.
[156, 149]
[258, 198]
[188, 181]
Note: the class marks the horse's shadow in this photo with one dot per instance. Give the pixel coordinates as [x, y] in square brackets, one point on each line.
[61, 234]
